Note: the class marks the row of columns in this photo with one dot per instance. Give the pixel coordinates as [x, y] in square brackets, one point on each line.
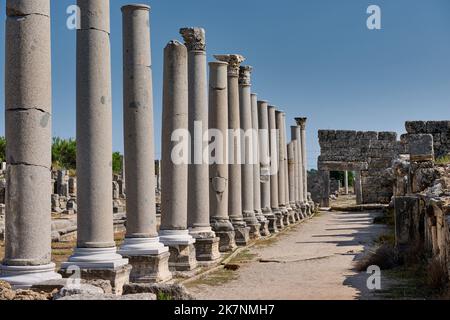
[207, 208]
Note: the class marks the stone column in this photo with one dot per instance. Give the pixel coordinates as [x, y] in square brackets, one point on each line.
[291, 178]
[28, 104]
[218, 169]
[264, 230]
[346, 182]
[325, 181]
[358, 188]
[175, 157]
[248, 158]
[148, 256]
[298, 204]
[298, 137]
[242, 231]
[274, 167]
[291, 213]
[302, 124]
[264, 159]
[281, 169]
[96, 249]
[206, 244]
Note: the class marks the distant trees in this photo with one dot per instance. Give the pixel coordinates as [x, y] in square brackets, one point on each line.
[64, 154]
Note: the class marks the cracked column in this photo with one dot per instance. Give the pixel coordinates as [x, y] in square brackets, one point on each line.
[301, 123]
[291, 177]
[175, 158]
[274, 167]
[264, 230]
[96, 250]
[299, 214]
[28, 104]
[245, 102]
[218, 170]
[206, 244]
[281, 168]
[242, 231]
[148, 256]
[264, 160]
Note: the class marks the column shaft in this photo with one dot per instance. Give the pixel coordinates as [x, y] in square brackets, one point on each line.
[281, 166]
[274, 166]
[346, 182]
[28, 104]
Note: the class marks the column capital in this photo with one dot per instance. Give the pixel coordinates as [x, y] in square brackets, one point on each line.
[301, 122]
[194, 38]
[245, 75]
[234, 62]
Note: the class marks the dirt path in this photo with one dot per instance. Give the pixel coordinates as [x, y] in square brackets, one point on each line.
[314, 260]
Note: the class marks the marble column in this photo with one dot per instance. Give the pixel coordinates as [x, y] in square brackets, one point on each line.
[96, 249]
[274, 167]
[346, 182]
[358, 188]
[291, 177]
[148, 256]
[298, 137]
[28, 104]
[302, 124]
[281, 168]
[291, 213]
[296, 176]
[218, 169]
[206, 244]
[175, 158]
[264, 160]
[264, 230]
[242, 231]
[248, 156]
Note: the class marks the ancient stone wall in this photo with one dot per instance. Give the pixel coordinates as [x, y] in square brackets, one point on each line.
[440, 131]
[369, 152]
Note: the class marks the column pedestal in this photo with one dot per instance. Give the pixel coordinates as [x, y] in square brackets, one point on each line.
[182, 249]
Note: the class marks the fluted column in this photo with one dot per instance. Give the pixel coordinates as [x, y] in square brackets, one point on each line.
[274, 167]
[248, 209]
[207, 244]
[28, 104]
[264, 230]
[218, 169]
[264, 159]
[281, 168]
[235, 182]
[96, 249]
[175, 157]
[148, 256]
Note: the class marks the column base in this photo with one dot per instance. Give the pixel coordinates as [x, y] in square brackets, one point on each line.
[207, 249]
[279, 217]
[152, 268]
[242, 235]
[142, 247]
[23, 277]
[181, 248]
[227, 240]
[264, 223]
[270, 217]
[253, 224]
[285, 212]
[292, 218]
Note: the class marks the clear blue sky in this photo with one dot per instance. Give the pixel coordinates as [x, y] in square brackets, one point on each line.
[313, 58]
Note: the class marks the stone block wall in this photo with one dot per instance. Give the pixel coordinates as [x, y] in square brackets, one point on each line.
[376, 149]
[440, 130]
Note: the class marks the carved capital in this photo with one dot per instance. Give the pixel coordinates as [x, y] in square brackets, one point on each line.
[301, 122]
[194, 38]
[245, 75]
[234, 62]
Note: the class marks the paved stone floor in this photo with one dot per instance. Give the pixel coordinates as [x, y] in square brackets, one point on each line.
[314, 260]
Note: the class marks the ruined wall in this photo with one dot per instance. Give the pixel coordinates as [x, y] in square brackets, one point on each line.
[376, 149]
[440, 130]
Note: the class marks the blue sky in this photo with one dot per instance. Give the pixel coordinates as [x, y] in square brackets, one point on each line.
[313, 58]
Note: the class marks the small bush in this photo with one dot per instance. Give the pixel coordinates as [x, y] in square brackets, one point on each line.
[443, 160]
[385, 257]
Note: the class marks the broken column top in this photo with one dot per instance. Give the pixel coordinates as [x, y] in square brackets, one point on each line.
[135, 6]
[234, 62]
[22, 8]
[194, 38]
[94, 15]
[245, 75]
[301, 122]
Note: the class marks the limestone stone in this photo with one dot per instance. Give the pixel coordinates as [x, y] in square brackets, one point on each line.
[94, 15]
[169, 291]
[421, 147]
[23, 8]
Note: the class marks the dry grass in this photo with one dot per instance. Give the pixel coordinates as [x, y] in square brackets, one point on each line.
[436, 277]
[384, 257]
